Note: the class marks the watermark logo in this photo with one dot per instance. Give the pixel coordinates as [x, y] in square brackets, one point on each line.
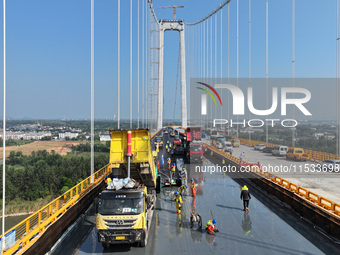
[251, 100]
[204, 97]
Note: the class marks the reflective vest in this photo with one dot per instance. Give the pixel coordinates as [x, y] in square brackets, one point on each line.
[208, 223]
[173, 169]
[193, 185]
[169, 160]
[223, 161]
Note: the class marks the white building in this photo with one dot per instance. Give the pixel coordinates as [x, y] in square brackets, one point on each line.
[68, 135]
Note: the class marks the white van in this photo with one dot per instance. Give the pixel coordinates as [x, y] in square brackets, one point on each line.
[228, 146]
[280, 150]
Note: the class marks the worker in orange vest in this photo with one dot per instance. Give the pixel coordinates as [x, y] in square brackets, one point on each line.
[169, 163]
[193, 186]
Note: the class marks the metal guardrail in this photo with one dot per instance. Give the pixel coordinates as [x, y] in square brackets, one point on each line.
[21, 235]
[312, 155]
[325, 203]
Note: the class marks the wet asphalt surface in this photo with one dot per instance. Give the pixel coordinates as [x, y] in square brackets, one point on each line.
[268, 228]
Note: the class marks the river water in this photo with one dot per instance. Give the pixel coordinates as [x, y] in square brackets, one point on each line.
[11, 221]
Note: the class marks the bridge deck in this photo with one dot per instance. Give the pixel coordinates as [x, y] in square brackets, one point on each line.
[323, 184]
[272, 229]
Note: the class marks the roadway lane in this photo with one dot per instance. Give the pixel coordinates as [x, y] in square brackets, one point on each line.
[324, 184]
[266, 229]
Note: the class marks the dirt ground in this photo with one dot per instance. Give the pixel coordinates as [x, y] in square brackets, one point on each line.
[61, 147]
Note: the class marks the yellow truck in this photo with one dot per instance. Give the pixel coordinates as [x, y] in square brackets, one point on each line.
[125, 215]
[235, 142]
[296, 154]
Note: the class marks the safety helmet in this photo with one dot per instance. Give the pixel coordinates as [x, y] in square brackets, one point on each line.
[214, 221]
[183, 168]
[192, 179]
[243, 152]
[186, 186]
[176, 193]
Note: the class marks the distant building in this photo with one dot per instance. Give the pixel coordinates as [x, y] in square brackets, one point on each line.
[318, 135]
[68, 134]
[19, 135]
[105, 137]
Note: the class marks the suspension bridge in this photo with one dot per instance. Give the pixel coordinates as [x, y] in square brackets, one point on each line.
[286, 216]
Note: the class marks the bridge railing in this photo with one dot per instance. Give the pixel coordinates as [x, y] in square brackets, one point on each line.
[21, 234]
[307, 194]
[312, 155]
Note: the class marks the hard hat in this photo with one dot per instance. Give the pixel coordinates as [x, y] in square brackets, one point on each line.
[243, 151]
[214, 221]
[192, 179]
[186, 186]
[176, 193]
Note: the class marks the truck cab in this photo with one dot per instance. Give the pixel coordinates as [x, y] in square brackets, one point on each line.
[235, 142]
[194, 152]
[123, 216]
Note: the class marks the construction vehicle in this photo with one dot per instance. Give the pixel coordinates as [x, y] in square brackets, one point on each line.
[159, 141]
[297, 154]
[177, 140]
[193, 134]
[125, 215]
[194, 152]
[235, 142]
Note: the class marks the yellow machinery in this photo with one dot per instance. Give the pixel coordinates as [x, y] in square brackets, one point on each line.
[235, 142]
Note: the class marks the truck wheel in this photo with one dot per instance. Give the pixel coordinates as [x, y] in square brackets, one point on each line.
[158, 184]
[143, 242]
[106, 245]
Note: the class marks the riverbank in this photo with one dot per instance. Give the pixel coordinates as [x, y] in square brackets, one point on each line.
[18, 207]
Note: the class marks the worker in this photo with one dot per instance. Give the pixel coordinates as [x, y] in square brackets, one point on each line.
[242, 155]
[179, 202]
[157, 164]
[108, 180]
[193, 186]
[184, 176]
[245, 195]
[211, 229]
[166, 146]
[173, 170]
[223, 161]
[182, 189]
[169, 163]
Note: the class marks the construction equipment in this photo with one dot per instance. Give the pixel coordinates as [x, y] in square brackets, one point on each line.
[174, 7]
[124, 212]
